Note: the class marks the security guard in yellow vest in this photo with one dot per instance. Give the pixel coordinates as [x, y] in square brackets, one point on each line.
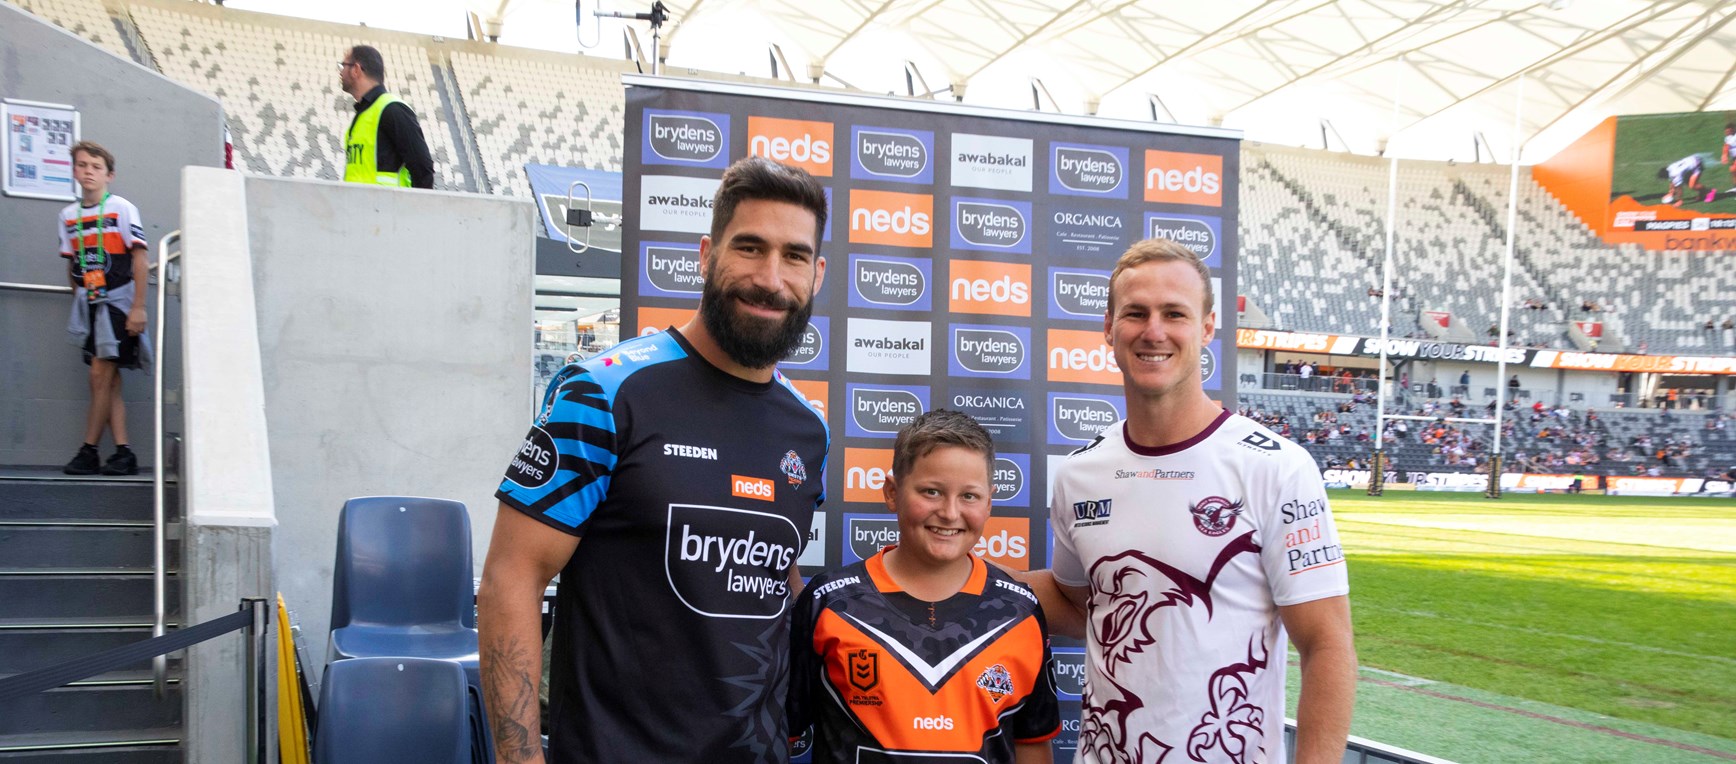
[384, 144]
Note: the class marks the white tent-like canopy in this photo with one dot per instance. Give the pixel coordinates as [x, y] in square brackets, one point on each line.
[1296, 72]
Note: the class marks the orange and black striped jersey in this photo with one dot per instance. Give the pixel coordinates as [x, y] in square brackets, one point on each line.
[882, 675]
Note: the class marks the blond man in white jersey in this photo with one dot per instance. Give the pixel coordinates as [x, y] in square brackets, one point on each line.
[1188, 542]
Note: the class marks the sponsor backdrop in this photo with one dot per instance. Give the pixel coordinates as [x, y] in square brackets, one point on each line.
[968, 260]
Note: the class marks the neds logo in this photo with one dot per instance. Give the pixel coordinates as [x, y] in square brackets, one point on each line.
[743, 487]
[865, 472]
[1081, 356]
[807, 145]
[892, 154]
[891, 218]
[880, 411]
[1077, 418]
[990, 351]
[1002, 289]
[1089, 170]
[991, 225]
[1006, 541]
[815, 391]
[1179, 178]
[685, 137]
[673, 269]
[889, 282]
[1078, 294]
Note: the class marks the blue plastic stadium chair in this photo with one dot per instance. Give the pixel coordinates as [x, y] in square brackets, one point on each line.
[384, 710]
[401, 584]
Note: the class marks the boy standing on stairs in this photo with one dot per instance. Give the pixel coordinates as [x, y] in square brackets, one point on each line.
[103, 240]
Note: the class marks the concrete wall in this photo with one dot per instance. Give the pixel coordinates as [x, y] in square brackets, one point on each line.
[395, 336]
[155, 127]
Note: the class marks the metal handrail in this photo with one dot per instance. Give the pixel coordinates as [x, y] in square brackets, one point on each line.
[159, 574]
[48, 288]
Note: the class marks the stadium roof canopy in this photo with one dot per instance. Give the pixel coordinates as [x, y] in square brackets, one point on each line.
[1283, 71]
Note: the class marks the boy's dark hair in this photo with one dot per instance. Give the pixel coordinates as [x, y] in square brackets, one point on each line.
[761, 178]
[368, 58]
[94, 149]
[940, 427]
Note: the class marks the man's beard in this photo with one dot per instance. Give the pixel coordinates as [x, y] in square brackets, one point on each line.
[753, 342]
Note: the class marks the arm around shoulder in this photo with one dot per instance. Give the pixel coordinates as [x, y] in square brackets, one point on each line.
[523, 556]
[1322, 634]
[1063, 605]
[1033, 753]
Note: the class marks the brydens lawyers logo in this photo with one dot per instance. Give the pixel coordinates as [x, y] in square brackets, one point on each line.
[892, 219]
[1069, 672]
[1001, 289]
[1209, 378]
[725, 562]
[668, 269]
[889, 153]
[1176, 178]
[810, 353]
[1196, 232]
[1083, 170]
[686, 138]
[534, 464]
[895, 283]
[991, 225]
[1078, 293]
[865, 471]
[1076, 418]
[866, 534]
[989, 351]
[1011, 481]
[880, 411]
[888, 347]
[1081, 356]
[795, 142]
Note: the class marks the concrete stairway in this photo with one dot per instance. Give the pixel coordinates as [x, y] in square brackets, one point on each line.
[75, 579]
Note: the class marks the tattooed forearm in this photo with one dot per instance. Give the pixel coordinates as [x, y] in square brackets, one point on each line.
[509, 679]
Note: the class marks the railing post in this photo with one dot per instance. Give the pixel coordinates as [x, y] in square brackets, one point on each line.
[255, 682]
[159, 562]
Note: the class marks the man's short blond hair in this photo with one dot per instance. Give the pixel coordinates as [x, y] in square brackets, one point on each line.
[1159, 251]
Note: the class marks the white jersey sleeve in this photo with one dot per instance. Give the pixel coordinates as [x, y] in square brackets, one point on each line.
[1299, 546]
[1064, 562]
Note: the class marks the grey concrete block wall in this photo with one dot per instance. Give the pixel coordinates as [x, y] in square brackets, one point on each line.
[394, 335]
[155, 127]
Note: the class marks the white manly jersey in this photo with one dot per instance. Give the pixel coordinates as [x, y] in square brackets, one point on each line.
[1730, 143]
[1680, 169]
[1188, 551]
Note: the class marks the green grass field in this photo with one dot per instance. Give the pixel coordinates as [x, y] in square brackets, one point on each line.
[1622, 607]
[1646, 143]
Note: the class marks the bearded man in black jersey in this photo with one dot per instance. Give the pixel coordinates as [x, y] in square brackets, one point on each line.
[691, 470]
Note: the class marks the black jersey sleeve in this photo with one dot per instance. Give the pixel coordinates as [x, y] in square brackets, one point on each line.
[1039, 717]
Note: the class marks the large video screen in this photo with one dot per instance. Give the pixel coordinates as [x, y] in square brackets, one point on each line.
[1671, 185]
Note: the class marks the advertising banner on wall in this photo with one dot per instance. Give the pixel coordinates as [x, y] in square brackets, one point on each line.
[968, 256]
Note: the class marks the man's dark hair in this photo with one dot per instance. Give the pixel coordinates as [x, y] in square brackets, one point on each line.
[940, 427]
[761, 178]
[368, 58]
[93, 149]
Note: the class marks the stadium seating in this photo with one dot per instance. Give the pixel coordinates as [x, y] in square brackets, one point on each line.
[85, 18]
[401, 581]
[393, 710]
[281, 95]
[524, 109]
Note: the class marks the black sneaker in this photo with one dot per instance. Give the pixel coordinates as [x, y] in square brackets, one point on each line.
[87, 462]
[122, 463]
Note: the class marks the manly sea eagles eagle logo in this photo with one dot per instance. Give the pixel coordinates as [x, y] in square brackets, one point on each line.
[1215, 515]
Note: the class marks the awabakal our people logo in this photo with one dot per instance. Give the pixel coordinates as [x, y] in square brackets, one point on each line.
[676, 203]
[888, 347]
[991, 161]
[795, 142]
[891, 218]
[892, 154]
[1173, 177]
[981, 286]
[685, 138]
